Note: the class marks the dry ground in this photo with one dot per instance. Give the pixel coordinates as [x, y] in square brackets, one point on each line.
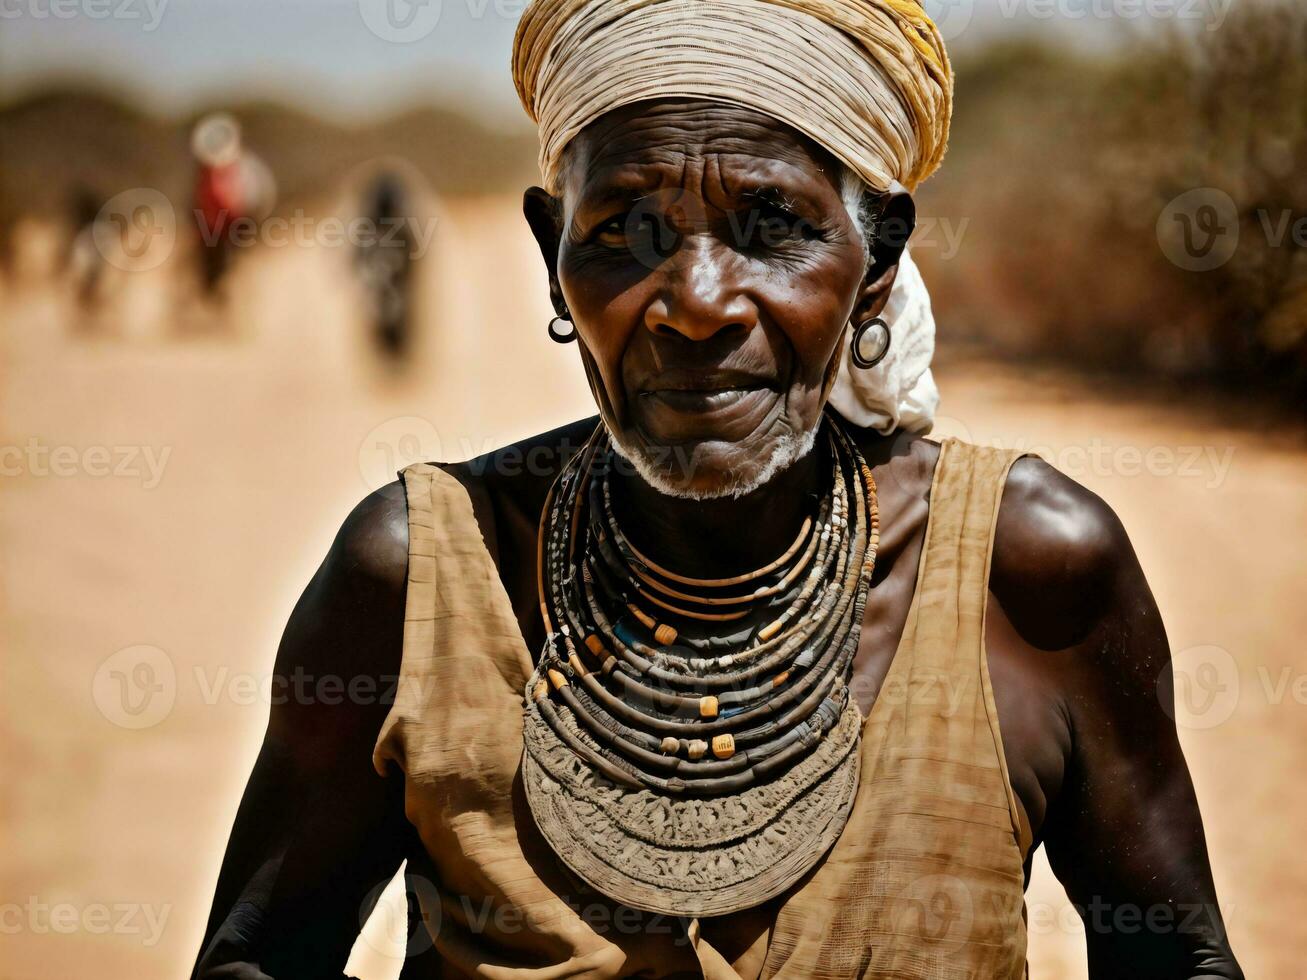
[275, 421]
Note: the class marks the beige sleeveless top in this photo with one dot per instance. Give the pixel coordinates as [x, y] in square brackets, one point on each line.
[925, 882]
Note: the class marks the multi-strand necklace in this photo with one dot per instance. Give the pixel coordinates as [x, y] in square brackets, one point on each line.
[715, 706]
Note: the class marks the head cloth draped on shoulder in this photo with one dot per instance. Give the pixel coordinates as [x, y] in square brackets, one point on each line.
[869, 80]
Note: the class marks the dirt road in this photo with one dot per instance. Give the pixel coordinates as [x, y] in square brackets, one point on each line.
[165, 498]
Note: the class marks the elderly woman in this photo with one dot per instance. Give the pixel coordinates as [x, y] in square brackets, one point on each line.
[743, 678]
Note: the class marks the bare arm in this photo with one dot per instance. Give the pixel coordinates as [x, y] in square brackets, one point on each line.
[318, 830]
[1124, 833]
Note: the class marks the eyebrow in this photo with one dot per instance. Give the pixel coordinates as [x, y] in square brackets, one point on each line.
[632, 193]
[771, 195]
[628, 188]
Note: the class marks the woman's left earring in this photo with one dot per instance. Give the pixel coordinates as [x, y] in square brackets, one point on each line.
[871, 342]
[556, 332]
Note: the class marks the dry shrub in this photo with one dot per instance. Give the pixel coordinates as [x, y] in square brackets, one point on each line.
[1063, 165]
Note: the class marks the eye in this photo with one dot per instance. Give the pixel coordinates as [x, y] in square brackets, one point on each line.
[634, 230]
[611, 232]
[772, 225]
[779, 221]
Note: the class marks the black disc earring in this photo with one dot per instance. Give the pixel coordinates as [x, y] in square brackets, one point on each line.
[557, 335]
[871, 342]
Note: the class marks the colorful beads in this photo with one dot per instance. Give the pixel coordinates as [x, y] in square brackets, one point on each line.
[647, 681]
[665, 635]
[645, 619]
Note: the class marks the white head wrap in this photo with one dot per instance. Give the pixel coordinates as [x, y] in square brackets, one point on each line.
[867, 79]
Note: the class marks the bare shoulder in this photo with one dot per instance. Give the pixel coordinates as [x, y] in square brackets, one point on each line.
[1059, 551]
[371, 547]
[354, 604]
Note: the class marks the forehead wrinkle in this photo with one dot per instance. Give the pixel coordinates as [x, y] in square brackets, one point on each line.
[669, 139]
[716, 177]
[743, 177]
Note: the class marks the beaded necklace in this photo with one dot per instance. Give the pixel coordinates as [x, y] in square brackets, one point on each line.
[658, 712]
[691, 743]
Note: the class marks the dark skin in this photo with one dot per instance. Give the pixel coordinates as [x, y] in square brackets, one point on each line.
[744, 337]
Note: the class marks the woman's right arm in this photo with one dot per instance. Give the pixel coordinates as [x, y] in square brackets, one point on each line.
[318, 831]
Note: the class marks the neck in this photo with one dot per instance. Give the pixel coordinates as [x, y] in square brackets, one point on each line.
[725, 537]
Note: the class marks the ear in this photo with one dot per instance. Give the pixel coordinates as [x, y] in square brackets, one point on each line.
[898, 219]
[544, 213]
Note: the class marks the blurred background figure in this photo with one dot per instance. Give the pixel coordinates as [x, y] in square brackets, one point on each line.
[384, 259]
[234, 190]
[85, 264]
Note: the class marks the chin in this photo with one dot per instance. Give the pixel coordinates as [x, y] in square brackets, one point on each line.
[713, 470]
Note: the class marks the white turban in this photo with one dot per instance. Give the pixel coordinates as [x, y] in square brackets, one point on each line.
[869, 80]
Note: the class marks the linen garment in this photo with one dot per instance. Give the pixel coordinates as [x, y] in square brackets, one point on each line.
[924, 883]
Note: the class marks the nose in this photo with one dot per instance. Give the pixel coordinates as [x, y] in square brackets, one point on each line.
[701, 296]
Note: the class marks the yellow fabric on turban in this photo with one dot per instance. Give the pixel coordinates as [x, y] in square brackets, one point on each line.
[867, 79]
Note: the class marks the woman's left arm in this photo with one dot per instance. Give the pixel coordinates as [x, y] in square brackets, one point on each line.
[1124, 833]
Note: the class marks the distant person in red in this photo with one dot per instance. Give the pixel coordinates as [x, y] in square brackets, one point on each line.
[232, 186]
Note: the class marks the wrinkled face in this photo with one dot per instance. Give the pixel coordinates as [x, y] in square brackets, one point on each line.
[711, 269]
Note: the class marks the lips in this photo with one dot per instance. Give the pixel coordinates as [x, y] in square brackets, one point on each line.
[709, 380]
[703, 391]
[674, 412]
[702, 399]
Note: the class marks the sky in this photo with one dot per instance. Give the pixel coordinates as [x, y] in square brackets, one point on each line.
[351, 59]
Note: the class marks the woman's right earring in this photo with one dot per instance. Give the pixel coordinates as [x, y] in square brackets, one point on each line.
[871, 342]
[557, 335]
